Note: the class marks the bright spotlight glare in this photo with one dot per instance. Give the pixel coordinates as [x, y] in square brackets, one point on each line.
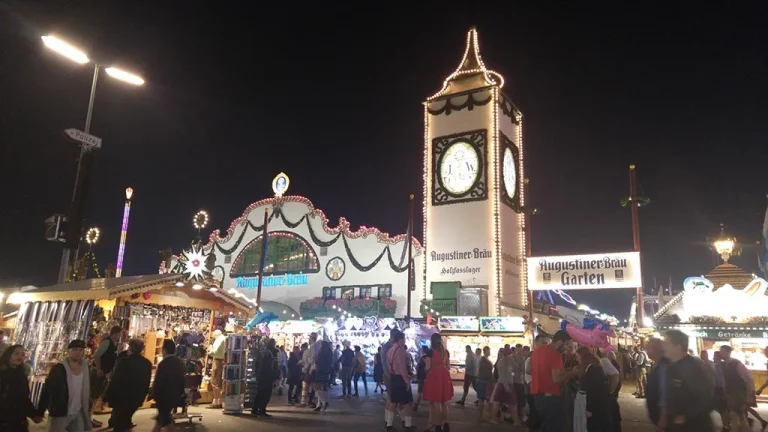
[65, 49]
[124, 76]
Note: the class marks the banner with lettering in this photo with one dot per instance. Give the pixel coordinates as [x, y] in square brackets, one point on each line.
[594, 271]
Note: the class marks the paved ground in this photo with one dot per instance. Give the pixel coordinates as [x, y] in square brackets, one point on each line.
[352, 415]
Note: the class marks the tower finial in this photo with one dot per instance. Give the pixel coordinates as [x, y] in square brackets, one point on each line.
[471, 72]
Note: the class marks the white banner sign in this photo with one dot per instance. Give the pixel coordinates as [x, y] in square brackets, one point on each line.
[608, 270]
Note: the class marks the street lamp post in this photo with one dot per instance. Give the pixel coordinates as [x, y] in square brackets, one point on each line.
[86, 153]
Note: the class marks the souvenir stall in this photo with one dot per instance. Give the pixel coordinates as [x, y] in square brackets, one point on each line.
[493, 332]
[713, 317]
[292, 333]
[153, 308]
[368, 333]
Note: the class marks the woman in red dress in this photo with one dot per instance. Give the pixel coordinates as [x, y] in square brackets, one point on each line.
[438, 387]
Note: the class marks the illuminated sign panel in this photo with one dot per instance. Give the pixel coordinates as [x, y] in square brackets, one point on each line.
[595, 271]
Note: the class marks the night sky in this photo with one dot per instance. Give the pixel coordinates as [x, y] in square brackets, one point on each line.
[332, 96]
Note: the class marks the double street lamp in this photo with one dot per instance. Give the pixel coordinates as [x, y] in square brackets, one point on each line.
[86, 155]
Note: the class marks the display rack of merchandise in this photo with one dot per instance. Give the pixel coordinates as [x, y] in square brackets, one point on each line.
[250, 369]
[235, 373]
[368, 341]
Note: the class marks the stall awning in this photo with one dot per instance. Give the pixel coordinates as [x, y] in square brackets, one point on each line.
[112, 288]
[95, 289]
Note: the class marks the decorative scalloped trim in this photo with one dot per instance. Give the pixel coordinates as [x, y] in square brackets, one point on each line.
[343, 225]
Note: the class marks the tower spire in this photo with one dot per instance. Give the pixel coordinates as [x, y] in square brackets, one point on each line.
[471, 73]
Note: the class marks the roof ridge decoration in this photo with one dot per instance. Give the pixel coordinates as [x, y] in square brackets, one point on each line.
[471, 64]
[342, 227]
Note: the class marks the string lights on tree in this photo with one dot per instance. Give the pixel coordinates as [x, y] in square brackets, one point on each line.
[89, 258]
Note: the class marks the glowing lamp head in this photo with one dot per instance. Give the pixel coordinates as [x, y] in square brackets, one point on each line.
[724, 245]
[128, 193]
[63, 48]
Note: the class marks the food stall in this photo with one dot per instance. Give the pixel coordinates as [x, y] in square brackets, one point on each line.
[152, 308]
[493, 332]
[713, 317]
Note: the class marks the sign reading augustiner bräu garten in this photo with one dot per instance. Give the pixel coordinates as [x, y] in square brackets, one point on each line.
[595, 271]
[460, 255]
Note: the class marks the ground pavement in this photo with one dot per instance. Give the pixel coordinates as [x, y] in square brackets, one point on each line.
[357, 414]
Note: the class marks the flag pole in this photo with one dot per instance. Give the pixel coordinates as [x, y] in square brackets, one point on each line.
[410, 257]
[263, 259]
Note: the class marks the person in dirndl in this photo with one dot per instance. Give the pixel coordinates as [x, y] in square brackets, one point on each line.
[438, 387]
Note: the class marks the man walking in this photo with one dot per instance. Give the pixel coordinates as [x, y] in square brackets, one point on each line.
[470, 373]
[547, 373]
[738, 387]
[691, 387]
[641, 371]
[347, 362]
[169, 385]
[266, 374]
[399, 391]
[67, 392]
[656, 390]
[128, 387]
[104, 360]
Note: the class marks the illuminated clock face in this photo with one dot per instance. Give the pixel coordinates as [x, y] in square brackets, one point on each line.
[509, 173]
[459, 168]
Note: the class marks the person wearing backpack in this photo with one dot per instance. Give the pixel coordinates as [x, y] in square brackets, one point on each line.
[690, 386]
[641, 370]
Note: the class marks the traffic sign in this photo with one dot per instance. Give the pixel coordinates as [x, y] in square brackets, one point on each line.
[88, 140]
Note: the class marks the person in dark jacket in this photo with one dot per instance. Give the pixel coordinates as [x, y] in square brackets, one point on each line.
[266, 375]
[691, 387]
[595, 394]
[104, 360]
[656, 389]
[67, 392]
[322, 376]
[170, 381]
[347, 362]
[294, 376]
[128, 387]
[15, 406]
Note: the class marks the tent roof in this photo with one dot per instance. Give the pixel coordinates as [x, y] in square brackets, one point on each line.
[112, 288]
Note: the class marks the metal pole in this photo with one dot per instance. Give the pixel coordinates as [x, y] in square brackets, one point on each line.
[263, 259]
[634, 202]
[75, 212]
[410, 256]
[527, 220]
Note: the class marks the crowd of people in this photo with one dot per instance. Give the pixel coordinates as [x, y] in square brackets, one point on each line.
[73, 385]
[558, 386]
[683, 391]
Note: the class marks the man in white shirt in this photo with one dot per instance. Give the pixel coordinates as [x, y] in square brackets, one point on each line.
[66, 394]
[471, 369]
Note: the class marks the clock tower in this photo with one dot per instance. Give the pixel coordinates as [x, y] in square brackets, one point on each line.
[473, 194]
